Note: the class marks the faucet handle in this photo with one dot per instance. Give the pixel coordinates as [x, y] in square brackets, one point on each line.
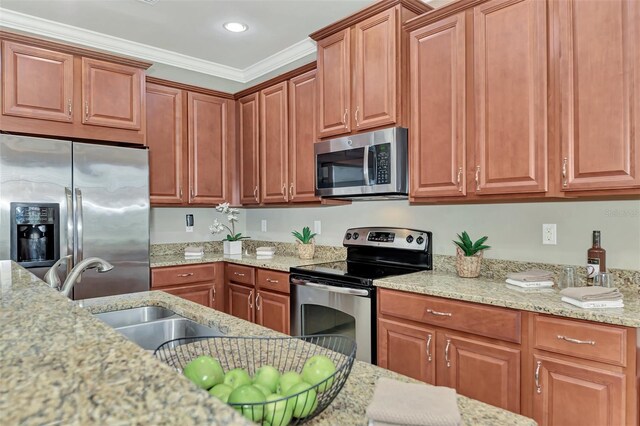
[51, 277]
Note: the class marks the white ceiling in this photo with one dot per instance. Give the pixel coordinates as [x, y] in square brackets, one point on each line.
[187, 34]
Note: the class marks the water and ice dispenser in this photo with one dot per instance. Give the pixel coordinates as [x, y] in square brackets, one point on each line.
[35, 234]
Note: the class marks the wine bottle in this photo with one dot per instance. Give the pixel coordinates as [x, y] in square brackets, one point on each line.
[596, 258]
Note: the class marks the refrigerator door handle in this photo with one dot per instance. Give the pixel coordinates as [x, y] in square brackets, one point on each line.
[69, 198]
[79, 224]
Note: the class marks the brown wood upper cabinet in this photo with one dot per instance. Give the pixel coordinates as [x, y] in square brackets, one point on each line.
[277, 131]
[57, 90]
[189, 145]
[600, 94]
[361, 70]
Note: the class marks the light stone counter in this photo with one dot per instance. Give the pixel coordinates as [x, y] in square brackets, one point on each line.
[493, 292]
[60, 365]
[279, 263]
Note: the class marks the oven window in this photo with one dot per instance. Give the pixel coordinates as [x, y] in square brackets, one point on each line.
[341, 168]
[318, 319]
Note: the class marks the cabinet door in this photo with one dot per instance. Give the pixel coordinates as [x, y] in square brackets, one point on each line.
[334, 84]
[198, 293]
[510, 80]
[375, 91]
[568, 393]
[36, 83]
[600, 94]
[438, 141]
[272, 311]
[303, 128]
[207, 149]
[240, 301]
[249, 149]
[112, 94]
[274, 143]
[480, 370]
[167, 148]
[407, 349]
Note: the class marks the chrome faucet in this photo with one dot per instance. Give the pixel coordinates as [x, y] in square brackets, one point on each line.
[73, 277]
[51, 277]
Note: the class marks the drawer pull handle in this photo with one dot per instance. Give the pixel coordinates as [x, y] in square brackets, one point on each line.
[438, 313]
[576, 341]
[429, 358]
[446, 353]
[238, 274]
[536, 376]
[190, 274]
[269, 280]
[250, 299]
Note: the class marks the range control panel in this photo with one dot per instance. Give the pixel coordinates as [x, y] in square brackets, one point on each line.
[397, 238]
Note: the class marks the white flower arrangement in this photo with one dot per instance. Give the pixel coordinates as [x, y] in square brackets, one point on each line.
[232, 217]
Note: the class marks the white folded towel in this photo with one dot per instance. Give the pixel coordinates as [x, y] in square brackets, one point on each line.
[265, 250]
[399, 403]
[264, 257]
[530, 284]
[530, 289]
[194, 251]
[595, 304]
[592, 294]
[531, 275]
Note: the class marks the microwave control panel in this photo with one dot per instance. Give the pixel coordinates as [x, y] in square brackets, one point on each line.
[383, 157]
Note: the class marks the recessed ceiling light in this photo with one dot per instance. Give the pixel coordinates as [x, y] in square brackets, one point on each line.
[235, 27]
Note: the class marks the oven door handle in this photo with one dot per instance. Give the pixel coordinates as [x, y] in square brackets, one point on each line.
[332, 289]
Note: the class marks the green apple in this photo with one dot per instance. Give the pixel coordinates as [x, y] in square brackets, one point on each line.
[237, 377]
[204, 371]
[317, 369]
[248, 394]
[267, 376]
[287, 380]
[265, 390]
[221, 391]
[306, 402]
[278, 413]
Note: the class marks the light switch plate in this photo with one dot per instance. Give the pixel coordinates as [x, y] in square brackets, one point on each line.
[549, 234]
[263, 225]
[189, 223]
[317, 227]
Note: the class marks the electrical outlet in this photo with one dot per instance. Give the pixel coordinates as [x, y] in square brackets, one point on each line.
[549, 234]
[263, 225]
[189, 222]
[317, 227]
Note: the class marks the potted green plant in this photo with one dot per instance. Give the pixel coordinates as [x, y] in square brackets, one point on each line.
[232, 243]
[306, 243]
[469, 255]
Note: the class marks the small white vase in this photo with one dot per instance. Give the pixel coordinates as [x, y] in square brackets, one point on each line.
[232, 247]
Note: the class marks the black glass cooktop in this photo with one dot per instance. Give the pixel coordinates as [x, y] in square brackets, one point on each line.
[361, 272]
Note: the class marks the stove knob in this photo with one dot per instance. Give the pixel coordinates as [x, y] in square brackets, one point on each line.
[420, 240]
[348, 236]
[355, 235]
[410, 239]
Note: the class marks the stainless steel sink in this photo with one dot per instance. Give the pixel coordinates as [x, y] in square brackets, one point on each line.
[134, 316]
[151, 326]
[150, 335]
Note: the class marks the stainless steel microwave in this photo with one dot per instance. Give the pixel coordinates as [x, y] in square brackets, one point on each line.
[364, 166]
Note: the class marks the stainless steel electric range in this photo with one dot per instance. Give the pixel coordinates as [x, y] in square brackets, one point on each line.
[339, 297]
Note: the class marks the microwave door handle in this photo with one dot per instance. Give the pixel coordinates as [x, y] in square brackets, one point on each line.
[374, 178]
[365, 166]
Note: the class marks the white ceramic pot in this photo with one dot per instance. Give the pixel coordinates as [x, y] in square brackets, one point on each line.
[232, 247]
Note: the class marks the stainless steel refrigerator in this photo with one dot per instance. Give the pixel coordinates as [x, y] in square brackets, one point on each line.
[61, 198]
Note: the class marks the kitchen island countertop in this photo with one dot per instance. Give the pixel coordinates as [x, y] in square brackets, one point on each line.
[60, 364]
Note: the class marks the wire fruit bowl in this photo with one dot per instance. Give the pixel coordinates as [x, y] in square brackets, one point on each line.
[283, 353]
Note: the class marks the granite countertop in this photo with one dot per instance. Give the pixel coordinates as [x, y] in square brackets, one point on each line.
[61, 365]
[279, 262]
[493, 292]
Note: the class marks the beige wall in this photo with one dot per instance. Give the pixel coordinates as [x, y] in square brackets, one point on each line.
[514, 230]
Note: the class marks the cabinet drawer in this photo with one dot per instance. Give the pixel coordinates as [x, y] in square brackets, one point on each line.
[175, 275]
[581, 339]
[489, 321]
[273, 280]
[241, 274]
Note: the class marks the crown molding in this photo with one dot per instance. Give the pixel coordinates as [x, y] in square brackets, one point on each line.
[79, 36]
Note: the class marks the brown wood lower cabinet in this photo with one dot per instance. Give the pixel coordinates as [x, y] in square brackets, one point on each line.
[569, 393]
[258, 295]
[200, 283]
[407, 349]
